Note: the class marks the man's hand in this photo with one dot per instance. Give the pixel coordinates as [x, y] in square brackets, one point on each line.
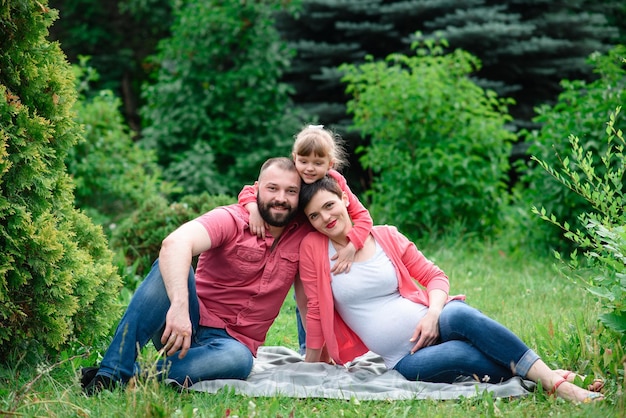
[177, 333]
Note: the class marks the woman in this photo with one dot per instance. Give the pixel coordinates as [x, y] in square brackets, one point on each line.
[424, 334]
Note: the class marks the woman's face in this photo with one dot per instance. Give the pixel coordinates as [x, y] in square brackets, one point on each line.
[328, 214]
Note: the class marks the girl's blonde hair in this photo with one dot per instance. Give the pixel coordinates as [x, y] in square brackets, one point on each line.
[321, 142]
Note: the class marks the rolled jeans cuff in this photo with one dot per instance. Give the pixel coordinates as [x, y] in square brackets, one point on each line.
[525, 363]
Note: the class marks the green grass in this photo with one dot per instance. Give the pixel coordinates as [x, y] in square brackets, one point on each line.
[552, 315]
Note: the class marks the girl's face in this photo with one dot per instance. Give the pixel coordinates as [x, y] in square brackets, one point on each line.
[312, 168]
[328, 214]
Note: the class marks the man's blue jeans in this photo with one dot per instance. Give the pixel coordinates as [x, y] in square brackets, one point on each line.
[213, 354]
[472, 345]
[301, 333]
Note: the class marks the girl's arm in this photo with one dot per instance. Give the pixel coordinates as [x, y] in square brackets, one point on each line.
[247, 198]
[247, 195]
[362, 226]
[360, 216]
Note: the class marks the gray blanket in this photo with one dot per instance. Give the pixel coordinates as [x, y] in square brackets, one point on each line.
[279, 371]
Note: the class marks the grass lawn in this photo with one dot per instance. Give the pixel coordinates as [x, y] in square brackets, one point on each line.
[552, 315]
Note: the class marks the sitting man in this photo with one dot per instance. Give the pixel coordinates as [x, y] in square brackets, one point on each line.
[209, 324]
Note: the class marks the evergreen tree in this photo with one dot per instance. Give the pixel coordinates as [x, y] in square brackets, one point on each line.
[526, 47]
[118, 35]
[217, 109]
[57, 281]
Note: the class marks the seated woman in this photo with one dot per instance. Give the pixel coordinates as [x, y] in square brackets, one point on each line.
[377, 306]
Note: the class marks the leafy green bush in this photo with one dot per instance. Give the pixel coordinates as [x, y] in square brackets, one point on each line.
[57, 281]
[217, 110]
[599, 180]
[139, 236]
[439, 144]
[112, 174]
[582, 108]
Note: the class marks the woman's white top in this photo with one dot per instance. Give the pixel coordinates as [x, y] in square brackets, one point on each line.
[369, 302]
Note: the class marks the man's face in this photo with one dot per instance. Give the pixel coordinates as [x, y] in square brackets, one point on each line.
[277, 196]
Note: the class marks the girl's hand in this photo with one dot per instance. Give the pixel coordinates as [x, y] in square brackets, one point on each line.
[344, 259]
[427, 331]
[255, 222]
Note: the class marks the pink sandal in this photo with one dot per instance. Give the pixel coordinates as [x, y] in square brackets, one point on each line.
[591, 397]
[556, 386]
[595, 386]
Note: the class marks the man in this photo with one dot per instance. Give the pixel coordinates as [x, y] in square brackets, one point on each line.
[210, 323]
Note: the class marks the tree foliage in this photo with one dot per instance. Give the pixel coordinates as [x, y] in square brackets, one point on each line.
[118, 35]
[526, 46]
[439, 144]
[580, 110]
[139, 236]
[597, 178]
[57, 280]
[217, 109]
[112, 174]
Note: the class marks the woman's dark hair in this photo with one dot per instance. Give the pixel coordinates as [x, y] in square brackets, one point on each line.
[307, 191]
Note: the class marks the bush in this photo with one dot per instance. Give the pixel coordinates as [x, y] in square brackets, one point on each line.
[112, 174]
[216, 110]
[138, 238]
[439, 144]
[57, 281]
[582, 108]
[599, 180]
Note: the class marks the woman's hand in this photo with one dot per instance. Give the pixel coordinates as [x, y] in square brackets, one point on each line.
[427, 331]
[318, 355]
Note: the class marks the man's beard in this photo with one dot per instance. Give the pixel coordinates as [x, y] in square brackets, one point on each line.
[279, 219]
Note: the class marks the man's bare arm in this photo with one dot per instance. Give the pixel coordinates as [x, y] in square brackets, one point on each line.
[177, 251]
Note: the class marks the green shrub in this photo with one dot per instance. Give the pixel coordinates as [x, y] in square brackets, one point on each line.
[112, 174]
[582, 108]
[599, 180]
[217, 110]
[439, 143]
[57, 281]
[138, 238]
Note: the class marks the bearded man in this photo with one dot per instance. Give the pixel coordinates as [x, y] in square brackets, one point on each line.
[209, 323]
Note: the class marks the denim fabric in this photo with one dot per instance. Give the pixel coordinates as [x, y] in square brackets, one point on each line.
[213, 353]
[471, 345]
[301, 333]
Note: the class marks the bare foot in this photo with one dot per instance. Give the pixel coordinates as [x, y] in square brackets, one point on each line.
[570, 392]
[570, 376]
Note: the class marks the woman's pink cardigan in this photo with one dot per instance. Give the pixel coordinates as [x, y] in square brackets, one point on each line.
[323, 323]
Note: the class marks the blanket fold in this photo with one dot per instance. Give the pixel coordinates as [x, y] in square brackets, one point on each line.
[279, 371]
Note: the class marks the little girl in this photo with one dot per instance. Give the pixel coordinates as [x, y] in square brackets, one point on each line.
[317, 153]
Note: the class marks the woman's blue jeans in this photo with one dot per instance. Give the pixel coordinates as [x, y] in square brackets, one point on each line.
[471, 345]
[213, 354]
